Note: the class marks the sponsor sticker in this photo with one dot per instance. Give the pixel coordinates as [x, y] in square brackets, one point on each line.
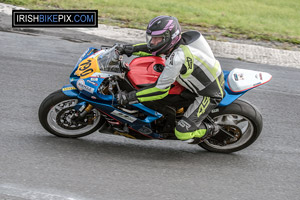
[100, 75]
[124, 116]
[69, 88]
[91, 82]
[82, 86]
[238, 77]
[94, 79]
[175, 34]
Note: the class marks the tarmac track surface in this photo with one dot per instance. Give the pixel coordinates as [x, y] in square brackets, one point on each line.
[37, 165]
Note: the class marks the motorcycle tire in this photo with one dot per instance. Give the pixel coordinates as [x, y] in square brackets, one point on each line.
[240, 119]
[55, 116]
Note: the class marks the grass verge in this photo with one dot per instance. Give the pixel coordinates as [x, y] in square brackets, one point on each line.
[253, 19]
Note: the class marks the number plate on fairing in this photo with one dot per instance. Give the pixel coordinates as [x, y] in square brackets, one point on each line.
[87, 67]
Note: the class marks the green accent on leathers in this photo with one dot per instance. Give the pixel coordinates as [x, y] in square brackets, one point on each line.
[188, 62]
[189, 135]
[135, 45]
[213, 71]
[204, 104]
[152, 94]
[141, 53]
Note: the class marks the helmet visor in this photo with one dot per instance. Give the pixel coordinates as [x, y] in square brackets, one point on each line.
[156, 42]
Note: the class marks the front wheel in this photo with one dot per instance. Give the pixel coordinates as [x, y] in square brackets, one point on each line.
[241, 124]
[55, 115]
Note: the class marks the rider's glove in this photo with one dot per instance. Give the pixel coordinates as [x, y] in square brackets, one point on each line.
[124, 49]
[125, 98]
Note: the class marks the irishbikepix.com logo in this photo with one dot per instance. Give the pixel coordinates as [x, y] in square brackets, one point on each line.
[54, 18]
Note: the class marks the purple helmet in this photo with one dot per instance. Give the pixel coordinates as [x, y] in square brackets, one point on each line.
[166, 27]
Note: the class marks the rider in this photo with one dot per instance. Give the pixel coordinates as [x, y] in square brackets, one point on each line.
[190, 62]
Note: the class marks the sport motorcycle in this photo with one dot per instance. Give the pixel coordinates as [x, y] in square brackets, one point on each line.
[89, 103]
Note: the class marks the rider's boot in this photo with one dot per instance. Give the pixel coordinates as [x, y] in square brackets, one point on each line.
[211, 130]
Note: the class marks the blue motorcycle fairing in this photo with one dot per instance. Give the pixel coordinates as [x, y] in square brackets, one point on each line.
[105, 103]
[230, 96]
[88, 92]
[90, 51]
[70, 90]
[133, 122]
[154, 115]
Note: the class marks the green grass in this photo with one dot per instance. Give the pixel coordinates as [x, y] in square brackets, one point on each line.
[252, 19]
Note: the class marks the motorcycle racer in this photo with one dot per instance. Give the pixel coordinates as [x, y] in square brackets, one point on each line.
[190, 62]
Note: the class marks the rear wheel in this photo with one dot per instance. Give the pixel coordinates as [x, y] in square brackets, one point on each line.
[56, 116]
[241, 124]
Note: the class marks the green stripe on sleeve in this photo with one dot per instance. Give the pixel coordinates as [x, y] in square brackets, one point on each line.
[146, 95]
[135, 45]
[142, 54]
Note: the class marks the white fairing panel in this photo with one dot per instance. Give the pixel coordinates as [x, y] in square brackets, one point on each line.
[241, 79]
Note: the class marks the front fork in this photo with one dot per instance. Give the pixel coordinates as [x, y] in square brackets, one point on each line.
[82, 110]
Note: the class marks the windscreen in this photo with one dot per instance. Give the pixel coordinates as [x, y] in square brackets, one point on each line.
[107, 60]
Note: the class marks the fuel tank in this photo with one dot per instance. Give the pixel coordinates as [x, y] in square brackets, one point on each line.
[144, 71]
